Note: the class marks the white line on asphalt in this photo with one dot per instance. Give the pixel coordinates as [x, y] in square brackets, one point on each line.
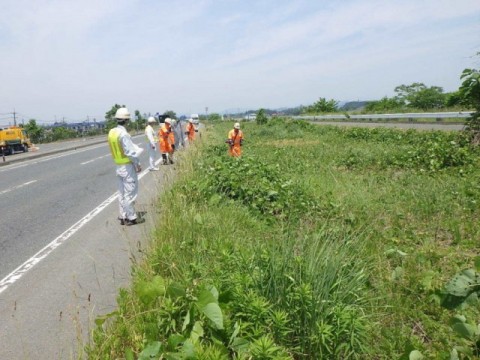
[46, 158]
[43, 253]
[98, 158]
[51, 157]
[17, 187]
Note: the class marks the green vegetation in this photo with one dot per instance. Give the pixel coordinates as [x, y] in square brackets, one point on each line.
[214, 117]
[419, 96]
[319, 242]
[35, 132]
[261, 117]
[137, 120]
[470, 95]
[322, 105]
[416, 97]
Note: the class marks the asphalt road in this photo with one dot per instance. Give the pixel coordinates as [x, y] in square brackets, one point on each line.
[63, 254]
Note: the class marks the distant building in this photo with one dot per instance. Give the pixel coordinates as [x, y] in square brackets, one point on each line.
[80, 127]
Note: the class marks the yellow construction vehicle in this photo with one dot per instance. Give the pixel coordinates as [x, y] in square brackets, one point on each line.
[14, 139]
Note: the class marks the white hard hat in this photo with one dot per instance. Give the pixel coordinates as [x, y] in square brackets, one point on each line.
[190, 120]
[151, 119]
[236, 126]
[122, 114]
[168, 121]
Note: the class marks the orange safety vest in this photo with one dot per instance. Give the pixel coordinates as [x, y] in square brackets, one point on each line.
[167, 138]
[191, 131]
[235, 139]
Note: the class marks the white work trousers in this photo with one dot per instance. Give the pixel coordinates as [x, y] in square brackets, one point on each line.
[127, 180]
[151, 155]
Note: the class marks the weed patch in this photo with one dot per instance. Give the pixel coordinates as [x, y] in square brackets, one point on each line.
[319, 242]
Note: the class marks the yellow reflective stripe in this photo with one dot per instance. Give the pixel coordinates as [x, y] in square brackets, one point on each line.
[117, 152]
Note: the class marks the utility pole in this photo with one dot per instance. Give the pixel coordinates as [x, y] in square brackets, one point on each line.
[14, 118]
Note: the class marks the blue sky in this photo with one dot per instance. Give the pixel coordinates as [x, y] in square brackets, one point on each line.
[73, 59]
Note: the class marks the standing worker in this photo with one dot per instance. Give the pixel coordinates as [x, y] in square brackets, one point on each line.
[167, 141]
[151, 143]
[235, 141]
[190, 131]
[127, 157]
[177, 134]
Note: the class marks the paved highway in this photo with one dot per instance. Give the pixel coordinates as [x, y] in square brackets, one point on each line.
[39, 197]
[63, 254]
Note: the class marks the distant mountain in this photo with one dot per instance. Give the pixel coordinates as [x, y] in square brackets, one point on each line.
[281, 111]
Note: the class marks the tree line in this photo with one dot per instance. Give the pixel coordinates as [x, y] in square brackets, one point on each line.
[414, 97]
[42, 134]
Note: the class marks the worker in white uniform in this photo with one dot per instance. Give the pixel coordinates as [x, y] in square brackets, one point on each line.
[152, 141]
[126, 156]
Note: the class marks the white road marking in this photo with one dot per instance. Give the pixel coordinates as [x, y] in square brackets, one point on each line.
[51, 157]
[98, 158]
[17, 187]
[47, 250]
[47, 158]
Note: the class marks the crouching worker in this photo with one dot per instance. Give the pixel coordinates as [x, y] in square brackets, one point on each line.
[126, 156]
[167, 141]
[235, 141]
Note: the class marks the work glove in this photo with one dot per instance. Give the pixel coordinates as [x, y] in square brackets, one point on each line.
[173, 147]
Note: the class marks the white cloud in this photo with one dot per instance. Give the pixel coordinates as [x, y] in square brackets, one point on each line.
[77, 58]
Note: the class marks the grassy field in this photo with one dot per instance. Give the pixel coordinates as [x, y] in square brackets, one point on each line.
[319, 242]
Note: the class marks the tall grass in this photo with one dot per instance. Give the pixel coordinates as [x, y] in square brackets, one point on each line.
[319, 242]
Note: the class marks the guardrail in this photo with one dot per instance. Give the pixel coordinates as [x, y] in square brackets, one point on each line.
[410, 116]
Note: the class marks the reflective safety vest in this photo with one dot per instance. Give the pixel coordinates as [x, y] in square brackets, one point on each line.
[116, 149]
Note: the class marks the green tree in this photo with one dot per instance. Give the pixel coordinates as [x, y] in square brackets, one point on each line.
[419, 96]
[170, 113]
[214, 117]
[470, 93]
[453, 99]
[140, 121]
[60, 133]
[385, 104]
[323, 106]
[35, 132]
[261, 117]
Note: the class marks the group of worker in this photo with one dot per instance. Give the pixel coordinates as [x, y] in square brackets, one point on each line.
[126, 155]
[166, 137]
